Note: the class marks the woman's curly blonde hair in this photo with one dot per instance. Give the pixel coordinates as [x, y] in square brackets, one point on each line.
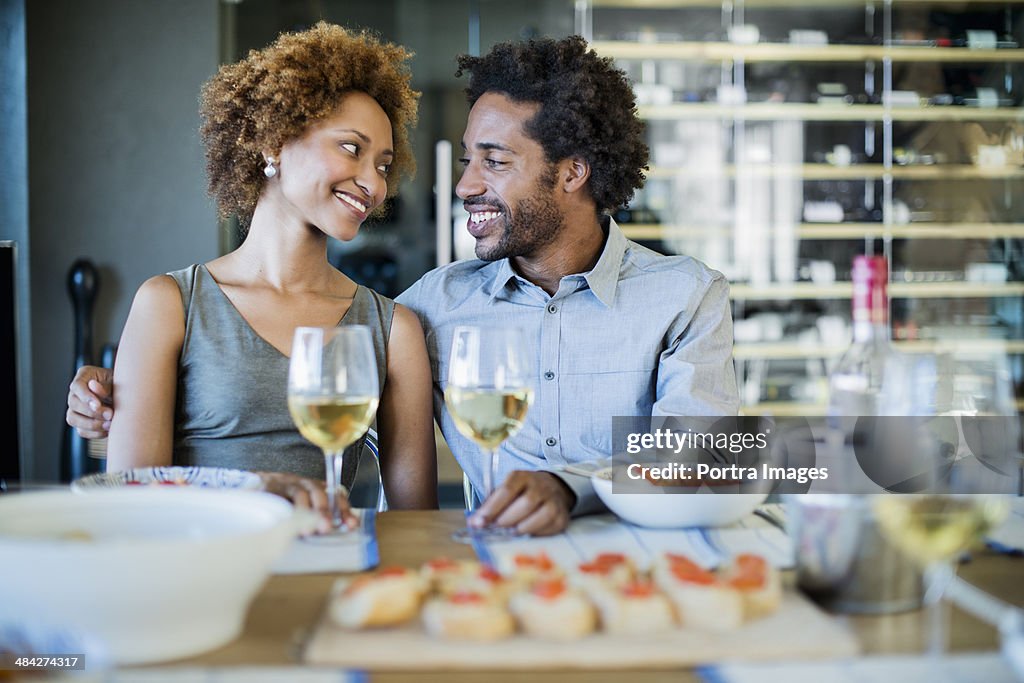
[274, 94]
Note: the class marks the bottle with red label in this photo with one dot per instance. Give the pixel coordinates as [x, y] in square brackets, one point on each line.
[857, 377]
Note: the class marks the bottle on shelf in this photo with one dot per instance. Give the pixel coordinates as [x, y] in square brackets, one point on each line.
[877, 578]
[857, 377]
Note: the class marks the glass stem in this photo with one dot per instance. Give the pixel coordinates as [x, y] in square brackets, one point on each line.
[333, 461]
[938, 575]
[490, 473]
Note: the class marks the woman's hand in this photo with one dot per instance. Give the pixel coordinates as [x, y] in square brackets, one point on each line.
[90, 401]
[308, 494]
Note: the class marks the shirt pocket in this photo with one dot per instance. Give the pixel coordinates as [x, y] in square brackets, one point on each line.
[606, 394]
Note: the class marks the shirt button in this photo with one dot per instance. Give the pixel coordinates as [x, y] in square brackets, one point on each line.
[549, 375]
[552, 308]
[551, 441]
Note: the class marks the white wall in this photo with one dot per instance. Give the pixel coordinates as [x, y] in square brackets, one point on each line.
[115, 169]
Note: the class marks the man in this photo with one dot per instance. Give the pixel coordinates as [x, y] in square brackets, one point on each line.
[552, 145]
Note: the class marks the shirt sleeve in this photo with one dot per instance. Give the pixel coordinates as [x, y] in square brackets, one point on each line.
[696, 376]
[587, 501]
[410, 298]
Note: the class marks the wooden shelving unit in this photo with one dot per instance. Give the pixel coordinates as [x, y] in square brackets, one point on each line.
[897, 290]
[744, 174]
[802, 409]
[785, 409]
[795, 350]
[677, 4]
[851, 172]
[786, 52]
[785, 111]
[836, 231]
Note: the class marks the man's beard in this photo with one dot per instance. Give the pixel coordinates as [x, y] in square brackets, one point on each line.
[535, 223]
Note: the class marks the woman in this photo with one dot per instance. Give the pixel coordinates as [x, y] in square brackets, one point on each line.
[304, 140]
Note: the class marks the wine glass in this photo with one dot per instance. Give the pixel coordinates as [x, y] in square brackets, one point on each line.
[488, 394]
[959, 409]
[333, 393]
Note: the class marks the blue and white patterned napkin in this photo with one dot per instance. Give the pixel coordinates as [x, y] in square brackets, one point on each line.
[356, 552]
[586, 537]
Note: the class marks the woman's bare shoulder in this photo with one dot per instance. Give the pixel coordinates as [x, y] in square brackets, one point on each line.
[159, 290]
[405, 324]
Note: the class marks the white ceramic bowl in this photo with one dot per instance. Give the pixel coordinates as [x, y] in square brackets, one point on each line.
[662, 510]
[154, 573]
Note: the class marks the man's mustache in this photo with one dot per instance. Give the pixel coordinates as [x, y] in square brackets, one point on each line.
[477, 203]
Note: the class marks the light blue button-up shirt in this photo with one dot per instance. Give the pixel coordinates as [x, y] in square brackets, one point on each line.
[640, 334]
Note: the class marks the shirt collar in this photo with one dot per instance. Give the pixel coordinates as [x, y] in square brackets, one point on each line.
[602, 279]
[502, 274]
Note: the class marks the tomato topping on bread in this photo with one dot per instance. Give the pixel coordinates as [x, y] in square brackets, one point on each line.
[540, 562]
[549, 590]
[465, 597]
[640, 588]
[392, 571]
[488, 573]
[441, 564]
[749, 571]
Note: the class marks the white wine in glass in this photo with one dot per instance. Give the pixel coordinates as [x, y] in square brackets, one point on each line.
[333, 393]
[488, 416]
[332, 423]
[488, 394]
[934, 528]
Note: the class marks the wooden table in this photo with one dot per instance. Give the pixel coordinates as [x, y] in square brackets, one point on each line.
[289, 605]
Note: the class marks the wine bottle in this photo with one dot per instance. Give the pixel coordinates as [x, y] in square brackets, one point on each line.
[877, 578]
[857, 377]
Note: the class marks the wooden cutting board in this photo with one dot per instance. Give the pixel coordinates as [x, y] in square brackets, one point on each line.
[798, 630]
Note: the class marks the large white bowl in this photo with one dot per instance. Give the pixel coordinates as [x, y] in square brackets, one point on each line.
[662, 510]
[153, 573]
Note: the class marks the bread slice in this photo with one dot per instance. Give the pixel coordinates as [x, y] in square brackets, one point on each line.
[390, 597]
[482, 579]
[524, 568]
[553, 611]
[701, 599]
[603, 572]
[467, 616]
[442, 573]
[635, 608]
[758, 583]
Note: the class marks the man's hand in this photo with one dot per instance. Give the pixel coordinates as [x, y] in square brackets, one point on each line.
[90, 401]
[536, 503]
[308, 494]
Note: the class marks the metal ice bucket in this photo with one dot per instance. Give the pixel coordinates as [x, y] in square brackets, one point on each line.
[842, 560]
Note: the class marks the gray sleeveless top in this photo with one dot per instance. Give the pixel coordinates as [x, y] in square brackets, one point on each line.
[232, 404]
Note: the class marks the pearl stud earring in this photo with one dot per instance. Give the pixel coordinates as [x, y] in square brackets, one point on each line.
[270, 170]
